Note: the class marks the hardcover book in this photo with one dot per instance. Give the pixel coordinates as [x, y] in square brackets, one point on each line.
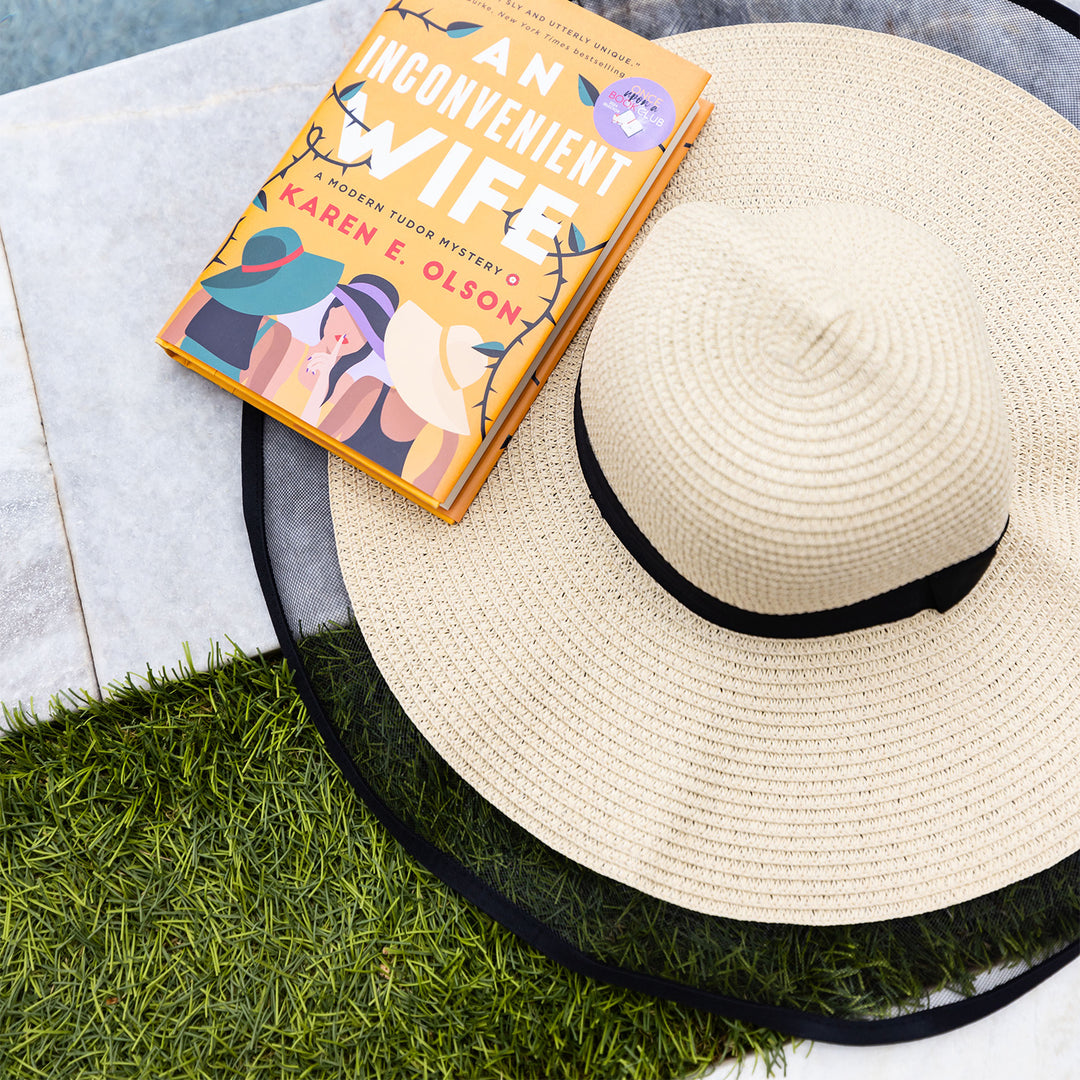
[404, 281]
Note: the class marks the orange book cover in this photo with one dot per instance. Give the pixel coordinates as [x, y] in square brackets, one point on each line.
[408, 275]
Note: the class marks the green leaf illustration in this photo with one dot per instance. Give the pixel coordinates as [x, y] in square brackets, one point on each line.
[577, 241]
[260, 200]
[350, 91]
[491, 348]
[586, 91]
[460, 29]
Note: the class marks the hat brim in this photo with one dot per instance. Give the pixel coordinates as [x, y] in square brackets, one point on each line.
[292, 287]
[870, 775]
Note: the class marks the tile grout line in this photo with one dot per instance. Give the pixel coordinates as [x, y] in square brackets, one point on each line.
[52, 470]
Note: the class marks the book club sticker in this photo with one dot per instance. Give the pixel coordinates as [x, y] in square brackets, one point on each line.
[634, 114]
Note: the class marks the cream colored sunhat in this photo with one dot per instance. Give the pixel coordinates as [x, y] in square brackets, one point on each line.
[431, 365]
[800, 398]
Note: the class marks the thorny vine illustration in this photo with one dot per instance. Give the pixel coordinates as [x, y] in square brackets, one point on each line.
[577, 249]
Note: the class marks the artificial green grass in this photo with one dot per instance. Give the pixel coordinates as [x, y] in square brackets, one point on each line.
[190, 889]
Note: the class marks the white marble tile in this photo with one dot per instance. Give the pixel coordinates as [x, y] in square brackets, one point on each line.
[43, 646]
[116, 187]
[1036, 1037]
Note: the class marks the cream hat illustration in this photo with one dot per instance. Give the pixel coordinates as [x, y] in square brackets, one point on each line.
[772, 609]
[430, 365]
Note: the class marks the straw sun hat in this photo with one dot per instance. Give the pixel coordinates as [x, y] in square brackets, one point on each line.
[772, 609]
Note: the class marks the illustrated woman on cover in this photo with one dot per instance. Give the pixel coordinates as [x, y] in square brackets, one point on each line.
[382, 377]
[229, 323]
[412, 427]
[350, 345]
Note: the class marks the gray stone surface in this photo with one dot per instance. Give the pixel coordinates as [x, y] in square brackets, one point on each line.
[43, 644]
[116, 187]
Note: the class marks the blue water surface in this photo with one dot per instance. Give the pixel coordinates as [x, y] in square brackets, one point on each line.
[44, 39]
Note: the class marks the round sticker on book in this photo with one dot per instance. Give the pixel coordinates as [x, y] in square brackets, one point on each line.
[634, 114]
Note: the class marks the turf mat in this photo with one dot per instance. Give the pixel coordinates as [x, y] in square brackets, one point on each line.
[190, 889]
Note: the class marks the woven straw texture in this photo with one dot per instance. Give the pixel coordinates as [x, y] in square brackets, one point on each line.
[869, 775]
[798, 409]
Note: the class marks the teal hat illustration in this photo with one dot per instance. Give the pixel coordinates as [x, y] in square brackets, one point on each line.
[275, 275]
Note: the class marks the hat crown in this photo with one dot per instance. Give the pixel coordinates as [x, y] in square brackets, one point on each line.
[269, 245]
[799, 410]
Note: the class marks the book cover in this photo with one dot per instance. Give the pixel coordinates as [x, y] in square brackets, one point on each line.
[405, 279]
